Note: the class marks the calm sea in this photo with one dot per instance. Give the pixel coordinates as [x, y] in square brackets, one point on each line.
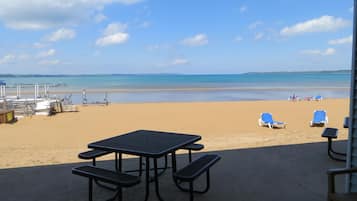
[176, 88]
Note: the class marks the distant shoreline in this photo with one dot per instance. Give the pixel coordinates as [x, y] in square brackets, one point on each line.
[114, 74]
[188, 89]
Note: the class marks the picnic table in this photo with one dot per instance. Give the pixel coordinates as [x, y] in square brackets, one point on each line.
[332, 133]
[150, 145]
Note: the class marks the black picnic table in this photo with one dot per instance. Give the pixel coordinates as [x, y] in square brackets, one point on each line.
[331, 133]
[148, 144]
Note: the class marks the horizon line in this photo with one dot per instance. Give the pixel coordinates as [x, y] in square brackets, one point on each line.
[108, 74]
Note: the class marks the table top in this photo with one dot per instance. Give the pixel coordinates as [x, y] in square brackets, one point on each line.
[330, 133]
[145, 143]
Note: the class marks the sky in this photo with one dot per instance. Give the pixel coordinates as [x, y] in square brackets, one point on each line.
[176, 36]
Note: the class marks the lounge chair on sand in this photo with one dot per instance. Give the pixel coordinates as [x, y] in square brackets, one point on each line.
[320, 118]
[266, 119]
[318, 98]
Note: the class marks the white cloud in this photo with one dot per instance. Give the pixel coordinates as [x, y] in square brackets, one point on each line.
[327, 52]
[197, 40]
[49, 62]
[255, 24]
[113, 34]
[114, 28]
[323, 24]
[39, 45]
[238, 39]
[112, 39]
[179, 61]
[100, 18]
[258, 36]
[243, 9]
[340, 41]
[7, 59]
[44, 14]
[62, 34]
[48, 53]
[127, 2]
[12, 58]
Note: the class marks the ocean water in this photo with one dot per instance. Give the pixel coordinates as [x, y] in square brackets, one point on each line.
[177, 87]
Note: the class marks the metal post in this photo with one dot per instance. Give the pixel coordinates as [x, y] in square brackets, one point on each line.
[20, 86]
[156, 179]
[18, 91]
[147, 178]
[36, 91]
[44, 90]
[120, 162]
[4, 89]
[90, 190]
[191, 191]
[189, 156]
[352, 132]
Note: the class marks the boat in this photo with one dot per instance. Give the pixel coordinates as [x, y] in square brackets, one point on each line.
[45, 107]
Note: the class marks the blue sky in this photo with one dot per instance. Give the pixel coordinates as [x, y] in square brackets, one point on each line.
[178, 36]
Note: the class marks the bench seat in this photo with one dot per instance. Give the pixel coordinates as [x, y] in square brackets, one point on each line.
[91, 154]
[109, 176]
[120, 180]
[193, 170]
[194, 147]
[197, 167]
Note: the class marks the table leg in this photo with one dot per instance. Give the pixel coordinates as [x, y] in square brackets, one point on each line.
[156, 178]
[140, 166]
[120, 162]
[116, 162]
[147, 178]
[331, 152]
[90, 192]
[173, 161]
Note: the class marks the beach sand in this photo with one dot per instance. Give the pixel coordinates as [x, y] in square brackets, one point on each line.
[58, 139]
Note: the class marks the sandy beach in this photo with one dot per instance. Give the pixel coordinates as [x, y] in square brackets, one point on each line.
[57, 139]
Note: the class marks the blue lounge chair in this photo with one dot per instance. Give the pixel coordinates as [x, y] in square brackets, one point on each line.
[318, 98]
[320, 118]
[266, 119]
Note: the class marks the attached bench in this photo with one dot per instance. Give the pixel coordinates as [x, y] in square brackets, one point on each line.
[332, 195]
[195, 169]
[331, 133]
[120, 180]
[93, 154]
[192, 147]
